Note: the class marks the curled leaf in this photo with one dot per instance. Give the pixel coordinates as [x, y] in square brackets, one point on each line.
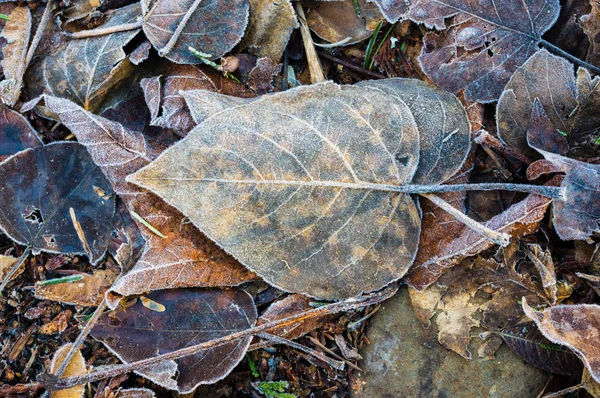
[16, 32]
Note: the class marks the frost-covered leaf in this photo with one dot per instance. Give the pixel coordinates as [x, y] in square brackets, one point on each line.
[482, 43]
[16, 134]
[210, 26]
[190, 317]
[75, 368]
[16, 32]
[39, 186]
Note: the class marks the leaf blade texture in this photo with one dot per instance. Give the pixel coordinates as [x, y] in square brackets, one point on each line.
[190, 317]
[492, 36]
[286, 198]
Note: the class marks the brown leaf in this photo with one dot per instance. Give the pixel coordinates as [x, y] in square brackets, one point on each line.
[190, 317]
[591, 26]
[483, 44]
[259, 180]
[393, 10]
[75, 368]
[16, 134]
[16, 32]
[575, 326]
[520, 219]
[213, 27]
[6, 264]
[269, 28]
[186, 258]
[88, 291]
[260, 77]
[337, 21]
[136, 393]
[83, 70]
[570, 105]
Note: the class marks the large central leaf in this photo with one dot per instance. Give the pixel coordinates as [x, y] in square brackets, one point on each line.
[292, 185]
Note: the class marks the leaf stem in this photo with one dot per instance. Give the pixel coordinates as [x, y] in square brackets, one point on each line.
[15, 268]
[570, 57]
[549, 192]
[52, 382]
[84, 34]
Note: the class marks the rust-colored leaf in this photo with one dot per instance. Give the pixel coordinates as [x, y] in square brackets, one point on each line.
[75, 368]
[213, 27]
[16, 32]
[186, 258]
[269, 29]
[482, 44]
[282, 187]
[89, 291]
[16, 134]
[191, 316]
[6, 264]
[575, 326]
[83, 70]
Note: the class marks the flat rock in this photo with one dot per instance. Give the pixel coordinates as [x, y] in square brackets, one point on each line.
[405, 359]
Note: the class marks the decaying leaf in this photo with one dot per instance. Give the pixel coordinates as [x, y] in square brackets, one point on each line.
[16, 32]
[213, 27]
[575, 326]
[525, 339]
[6, 263]
[136, 393]
[75, 368]
[185, 258]
[570, 104]
[89, 291]
[282, 189]
[269, 29]
[337, 21]
[38, 187]
[191, 316]
[591, 26]
[484, 42]
[393, 10]
[83, 70]
[16, 134]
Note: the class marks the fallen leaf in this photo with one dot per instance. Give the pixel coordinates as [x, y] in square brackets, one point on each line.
[75, 368]
[37, 188]
[136, 393]
[259, 191]
[261, 76]
[16, 134]
[483, 44]
[393, 10]
[79, 9]
[591, 26]
[570, 104]
[83, 70]
[6, 264]
[57, 325]
[16, 32]
[575, 326]
[191, 316]
[269, 28]
[89, 291]
[186, 258]
[212, 27]
[525, 339]
[337, 21]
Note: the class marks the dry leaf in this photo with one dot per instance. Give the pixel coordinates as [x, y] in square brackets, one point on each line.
[280, 188]
[16, 134]
[16, 32]
[575, 326]
[88, 291]
[483, 44]
[75, 368]
[269, 29]
[185, 258]
[83, 70]
[191, 316]
[213, 27]
[591, 26]
[393, 10]
[6, 264]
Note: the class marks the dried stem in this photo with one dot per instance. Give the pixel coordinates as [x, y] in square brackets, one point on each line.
[570, 57]
[484, 138]
[52, 383]
[84, 34]
[175, 36]
[314, 65]
[333, 354]
[350, 66]
[39, 32]
[499, 238]
[15, 268]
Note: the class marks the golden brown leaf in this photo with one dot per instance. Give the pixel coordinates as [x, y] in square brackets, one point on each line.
[75, 368]
[16, 32]
[88, 291]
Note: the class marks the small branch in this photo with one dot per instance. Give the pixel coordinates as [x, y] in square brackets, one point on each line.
[484, 138]
[570, 57]
[84, 34]
[15, 268]
[79, 340]
[350, 66]
[333, 354]
[39, 32]
[499, 238]
[339, 365]
[314, 65]
[180, 26]
[52, 383]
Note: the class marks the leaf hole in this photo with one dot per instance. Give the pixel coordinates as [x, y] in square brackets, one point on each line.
[403, 160]
[35, 217]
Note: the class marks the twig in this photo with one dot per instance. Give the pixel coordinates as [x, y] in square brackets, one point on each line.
[570, 57]
[52, 383]
[39, 32]
[333, 354]
[339, 365]
[499, 238]
[484, 138]
[180, 26]
[314, 65]
[15, 268]
[84, 34]
[350, 66]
